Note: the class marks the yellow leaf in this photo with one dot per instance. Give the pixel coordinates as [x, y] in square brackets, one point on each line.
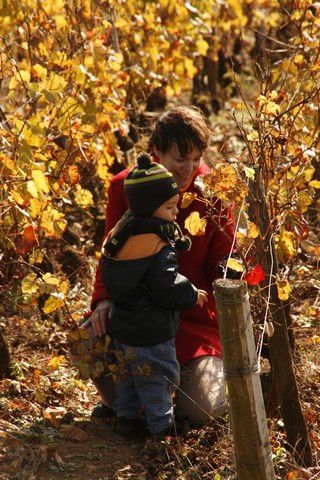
[23, 75]
[54, 302]
[153, 53]
[283, 288]
[187, 199]
[40, 181]
[115, 62]
[61, 21]
[249, 172]
[29, 284]
[190, 68]
[83, 197]
[55, 82]
[271, 108]
[17, 197]
[304, 200]
[40, 71]
[7, 166]
[13, 83]
[35, 205]
[202, 47]
[273, 95]
[253, 230]
[315, 184]
[308, 173]
[50, 279]
[299, 59]
[195, 225]
[55, 362]
[235, 265]
[253, 136]
[287, 244]
[53, 222]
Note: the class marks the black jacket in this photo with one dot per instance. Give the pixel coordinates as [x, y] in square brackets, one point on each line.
[147, 294]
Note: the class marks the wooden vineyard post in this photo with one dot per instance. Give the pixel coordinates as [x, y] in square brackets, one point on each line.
[248, 419]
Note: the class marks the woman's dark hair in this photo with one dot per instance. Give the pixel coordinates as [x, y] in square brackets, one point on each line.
[183, 126]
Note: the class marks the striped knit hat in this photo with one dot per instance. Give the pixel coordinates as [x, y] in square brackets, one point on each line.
[148, 186]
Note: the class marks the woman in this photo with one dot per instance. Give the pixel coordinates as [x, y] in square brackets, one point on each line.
[178, 141]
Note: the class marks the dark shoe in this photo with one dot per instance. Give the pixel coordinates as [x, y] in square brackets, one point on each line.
[181, 425]
[164, 433]
[132, 427]
[102, 411]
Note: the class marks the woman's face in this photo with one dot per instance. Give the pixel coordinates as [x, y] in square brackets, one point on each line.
[182, 168]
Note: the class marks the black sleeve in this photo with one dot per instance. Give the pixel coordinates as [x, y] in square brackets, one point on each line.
[165, 284]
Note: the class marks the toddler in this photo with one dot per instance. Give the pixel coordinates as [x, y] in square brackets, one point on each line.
[140, 273]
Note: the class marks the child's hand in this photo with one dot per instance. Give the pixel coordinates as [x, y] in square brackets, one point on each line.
[202, 298]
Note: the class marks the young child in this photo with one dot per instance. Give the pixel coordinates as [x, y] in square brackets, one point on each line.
[140, 273]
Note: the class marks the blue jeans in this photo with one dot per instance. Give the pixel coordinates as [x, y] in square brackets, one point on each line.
[152, 377]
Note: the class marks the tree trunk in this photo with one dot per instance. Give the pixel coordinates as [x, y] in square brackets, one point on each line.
[285, 394]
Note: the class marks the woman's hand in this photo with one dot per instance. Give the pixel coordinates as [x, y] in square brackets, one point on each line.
[98, 319]
[202, 298]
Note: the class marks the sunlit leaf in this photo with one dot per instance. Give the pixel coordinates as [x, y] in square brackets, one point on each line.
[235, 265]
[83, 197]
[315, 184]
[55, 362]
[53, 303]
[195, 225]
[29, 284]
[187, 199]
[40, 181]
[283, 288]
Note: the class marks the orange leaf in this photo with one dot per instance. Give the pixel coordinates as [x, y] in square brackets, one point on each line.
[73, 175]
[29, 234]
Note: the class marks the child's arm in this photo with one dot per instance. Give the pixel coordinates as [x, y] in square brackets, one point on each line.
[167, 287]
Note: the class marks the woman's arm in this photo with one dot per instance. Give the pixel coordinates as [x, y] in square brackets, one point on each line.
[100, 305]
[116, 207]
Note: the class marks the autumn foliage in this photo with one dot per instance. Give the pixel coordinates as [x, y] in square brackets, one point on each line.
[78, 79]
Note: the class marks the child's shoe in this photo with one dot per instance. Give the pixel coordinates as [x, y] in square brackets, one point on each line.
[133, 427]
[102, 411]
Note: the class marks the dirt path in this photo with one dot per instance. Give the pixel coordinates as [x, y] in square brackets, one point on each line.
[98, 454]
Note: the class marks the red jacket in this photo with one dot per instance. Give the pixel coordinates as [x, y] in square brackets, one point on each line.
[198, 331]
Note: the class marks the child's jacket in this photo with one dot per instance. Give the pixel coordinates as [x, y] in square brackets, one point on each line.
[147, 294]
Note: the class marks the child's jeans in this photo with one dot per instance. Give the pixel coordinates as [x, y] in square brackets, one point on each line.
[153, 376]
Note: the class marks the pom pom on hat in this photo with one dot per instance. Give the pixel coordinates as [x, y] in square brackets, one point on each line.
[144, 161]
[183, 243]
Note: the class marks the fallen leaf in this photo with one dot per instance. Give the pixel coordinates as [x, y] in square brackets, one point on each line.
[55, 362]
[54, 416]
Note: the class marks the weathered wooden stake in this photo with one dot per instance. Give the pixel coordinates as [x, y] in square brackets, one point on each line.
[248, 419]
